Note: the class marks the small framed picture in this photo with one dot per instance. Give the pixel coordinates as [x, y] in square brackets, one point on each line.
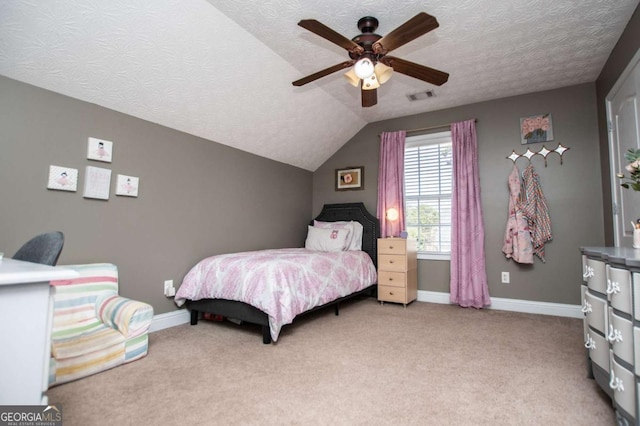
[99, 150]
[63, 178]
[536, 129]
[350, 178]
[97, 182]
[127, 186]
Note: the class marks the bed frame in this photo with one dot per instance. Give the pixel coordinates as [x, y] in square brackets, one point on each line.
[247, 313]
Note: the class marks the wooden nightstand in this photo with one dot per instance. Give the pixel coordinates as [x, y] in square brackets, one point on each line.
[397, 270]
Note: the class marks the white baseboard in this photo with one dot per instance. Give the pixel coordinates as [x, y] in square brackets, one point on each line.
[515, 305]
[182, 316]
[169, 319]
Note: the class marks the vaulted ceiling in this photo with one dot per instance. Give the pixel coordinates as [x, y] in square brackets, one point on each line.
[222, 69]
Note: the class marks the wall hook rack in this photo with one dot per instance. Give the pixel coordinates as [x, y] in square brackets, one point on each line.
[560, 149]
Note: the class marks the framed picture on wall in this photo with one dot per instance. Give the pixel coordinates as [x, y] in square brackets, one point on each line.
[97, 182]
[536, 129]
[99, 150]
[350, 178]
[63, 178]
[127, 185]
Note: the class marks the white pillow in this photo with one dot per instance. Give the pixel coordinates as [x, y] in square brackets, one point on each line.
[355, 238]
[322, 239]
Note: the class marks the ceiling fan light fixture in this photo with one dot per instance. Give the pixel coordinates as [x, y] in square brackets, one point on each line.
[364, 68]
[370, 83]
[383, 72]
[352, 78]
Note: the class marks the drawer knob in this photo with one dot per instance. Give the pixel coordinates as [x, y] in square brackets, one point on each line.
[590, 343]
[390, 293]
[616, 383]
[390, 279]
[391, 261]
[588, 272]
[613, 287]
[615, 336]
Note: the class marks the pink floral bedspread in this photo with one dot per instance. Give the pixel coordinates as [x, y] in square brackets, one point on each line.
[281, 282]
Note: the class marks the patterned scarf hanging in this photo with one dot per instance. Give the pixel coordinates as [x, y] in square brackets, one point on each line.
[534, 207]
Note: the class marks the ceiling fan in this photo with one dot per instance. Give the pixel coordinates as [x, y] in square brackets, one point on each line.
[368, 53]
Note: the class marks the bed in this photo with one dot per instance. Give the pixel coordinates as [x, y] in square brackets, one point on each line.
[199, 295]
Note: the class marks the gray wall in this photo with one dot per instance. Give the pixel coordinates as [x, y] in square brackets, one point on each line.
[627, 46]
[572, 189]
[196, 198]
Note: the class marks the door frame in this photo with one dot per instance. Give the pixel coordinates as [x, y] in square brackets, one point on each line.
[617, 236]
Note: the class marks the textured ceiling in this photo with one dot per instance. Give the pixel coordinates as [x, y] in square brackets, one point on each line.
[222, 69]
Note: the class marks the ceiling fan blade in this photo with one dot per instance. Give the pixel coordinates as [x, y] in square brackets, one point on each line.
[369, 97]
[322, 73]
[420, 24]
[327, 33]
[430, 75]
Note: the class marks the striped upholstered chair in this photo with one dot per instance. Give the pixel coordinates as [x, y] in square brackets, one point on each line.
[94, 329]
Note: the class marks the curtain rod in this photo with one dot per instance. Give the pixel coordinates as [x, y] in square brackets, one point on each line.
[439, 126]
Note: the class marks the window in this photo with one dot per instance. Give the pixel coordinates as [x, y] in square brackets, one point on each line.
[428, 176]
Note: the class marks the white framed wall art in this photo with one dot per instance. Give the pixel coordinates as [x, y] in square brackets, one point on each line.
[63, 178]
[97, 183]
[127, 185]
[99, 150]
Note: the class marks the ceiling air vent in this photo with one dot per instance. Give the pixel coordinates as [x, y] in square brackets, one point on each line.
[421, 95]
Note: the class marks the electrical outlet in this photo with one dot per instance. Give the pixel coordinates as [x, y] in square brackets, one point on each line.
[505, 278]
[169, 290]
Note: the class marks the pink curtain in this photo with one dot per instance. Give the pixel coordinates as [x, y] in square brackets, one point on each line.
[468, 287]
[391, 182]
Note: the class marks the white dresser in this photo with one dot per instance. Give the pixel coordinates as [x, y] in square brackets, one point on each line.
[25, 330]
[611, 304]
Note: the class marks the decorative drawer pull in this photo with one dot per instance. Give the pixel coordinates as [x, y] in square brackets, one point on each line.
[391, 262]
[590, 343]
[390, 279]
[390, 293]
[615, 336]
[613, 287]
[586, 307]
[616, 384]
[588, 272]
[390, 247]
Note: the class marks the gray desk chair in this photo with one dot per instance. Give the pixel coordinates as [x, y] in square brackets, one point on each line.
[44, 249]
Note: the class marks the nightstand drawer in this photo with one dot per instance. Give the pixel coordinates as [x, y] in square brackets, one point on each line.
[392, 294]
[392, 246]
[392, 262]
[392, 279]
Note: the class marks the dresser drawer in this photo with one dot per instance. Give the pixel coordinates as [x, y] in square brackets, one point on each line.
[595, 275]
[583, 293]
[636, 337]
[392, 294]
[619, 289]
[392, 262]
[392, 279]
[392, 246]
[624, 388]
[596, 311]
[636, 295]
[620, 337]
[598, 350]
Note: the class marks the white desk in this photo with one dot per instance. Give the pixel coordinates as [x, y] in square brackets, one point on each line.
[25, 330]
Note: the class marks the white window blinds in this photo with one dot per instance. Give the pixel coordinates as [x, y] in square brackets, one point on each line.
[428, 182]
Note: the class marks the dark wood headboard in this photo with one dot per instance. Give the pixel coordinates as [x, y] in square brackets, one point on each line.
[358, 213]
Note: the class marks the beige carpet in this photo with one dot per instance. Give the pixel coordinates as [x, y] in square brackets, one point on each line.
[427, 364]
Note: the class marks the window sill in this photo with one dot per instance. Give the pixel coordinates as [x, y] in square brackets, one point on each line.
[434, 256]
